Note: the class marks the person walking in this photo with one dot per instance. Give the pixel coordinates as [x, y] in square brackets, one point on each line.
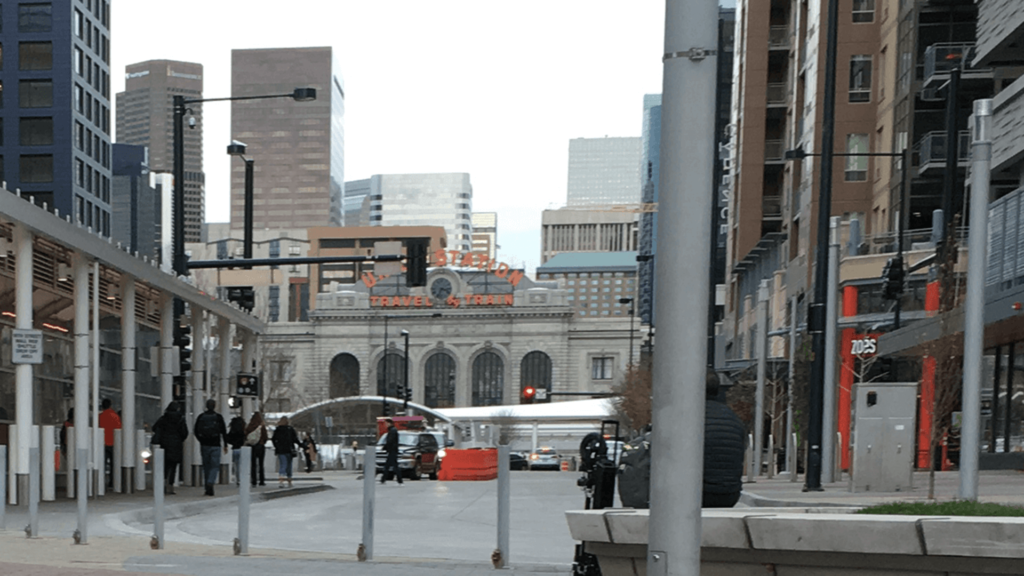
[211, 433]
[309, 451]
[170, 432]
[391, 449]
[285, 440]
[109, 421]
[256, 436]
[725, 439]
[236, 438]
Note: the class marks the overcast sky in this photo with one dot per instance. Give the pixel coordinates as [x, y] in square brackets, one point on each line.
[494, 89]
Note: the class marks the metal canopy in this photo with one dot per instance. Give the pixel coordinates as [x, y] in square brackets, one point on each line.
[43, 223]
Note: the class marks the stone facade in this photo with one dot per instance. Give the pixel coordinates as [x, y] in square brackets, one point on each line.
[476, 318]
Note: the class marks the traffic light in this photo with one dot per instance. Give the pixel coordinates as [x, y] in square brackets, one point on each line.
[892, 279]
[529, 393]
[183, 339]
[407, 393]
[244, 296]
[386, 411]
[416, 261]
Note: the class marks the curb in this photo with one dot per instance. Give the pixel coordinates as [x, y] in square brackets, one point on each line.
[755, 501]
[176, 511]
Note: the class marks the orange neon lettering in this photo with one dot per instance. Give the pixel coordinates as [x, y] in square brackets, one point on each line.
[490, 299]
[502, 270]
[515, 277]
[467, 260]
[369, 279]
[440, 258]
[478, 300]
[417, 301]
[508, 299]
[374, 300]
[385, 301]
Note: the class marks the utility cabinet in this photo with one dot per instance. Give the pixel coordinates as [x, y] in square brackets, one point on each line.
[883, 436]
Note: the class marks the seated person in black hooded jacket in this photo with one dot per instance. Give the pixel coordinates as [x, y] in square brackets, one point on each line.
[725, 439]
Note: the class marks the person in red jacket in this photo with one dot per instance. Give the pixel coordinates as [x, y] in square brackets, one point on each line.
[109, 421]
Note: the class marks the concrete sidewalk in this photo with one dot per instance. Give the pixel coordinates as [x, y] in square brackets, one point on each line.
[1003, 487]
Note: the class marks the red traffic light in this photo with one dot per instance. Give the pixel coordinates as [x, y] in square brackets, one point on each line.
[529, 393]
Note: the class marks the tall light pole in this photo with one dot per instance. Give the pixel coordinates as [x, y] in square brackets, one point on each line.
[632, 316]
[237, 148]
[405, 377]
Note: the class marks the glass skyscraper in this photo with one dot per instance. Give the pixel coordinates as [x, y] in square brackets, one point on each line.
[604, 171]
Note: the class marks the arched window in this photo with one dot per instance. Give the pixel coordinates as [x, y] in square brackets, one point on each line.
[389, 380]
[488, 379]
[439, 381]
[535, 371]
[344, 376]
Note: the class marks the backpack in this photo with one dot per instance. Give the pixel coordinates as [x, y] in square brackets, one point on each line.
[254, 437]
[635, 474]
[206, 427]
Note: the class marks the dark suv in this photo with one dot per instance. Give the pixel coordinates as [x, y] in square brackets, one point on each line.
[417, 454]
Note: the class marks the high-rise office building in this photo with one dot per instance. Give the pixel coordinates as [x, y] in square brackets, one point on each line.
[604, 171]
[298, 147]
[136, 205]
[55, 106]
[415, 200]
[145, 117]
[485, 233]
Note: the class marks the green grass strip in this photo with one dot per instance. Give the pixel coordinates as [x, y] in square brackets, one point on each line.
[956, 508]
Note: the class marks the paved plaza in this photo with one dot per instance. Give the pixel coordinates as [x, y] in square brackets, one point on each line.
[422, 527]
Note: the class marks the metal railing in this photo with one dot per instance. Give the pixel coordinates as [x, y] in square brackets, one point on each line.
[771, 206]
[774, 150]
[777, 93]
[932, 147]
[778, 37]
[943, 57]
[885, 242]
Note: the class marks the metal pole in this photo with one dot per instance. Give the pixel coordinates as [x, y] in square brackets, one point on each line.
[504, 504]
[23, 372]
[405, 376]
[179, 186]
[33, 490]
[3, 487]
[761, 343]
[167, 322]
[995, 399]
[687, 157]
[791, 446]
[199, 333]
[158, 497]
[247, 246]
[81, 462]
[48, 488]
[949, 204]
[99, 454]
[369, 467]
[243, 500]
[828, 420]
[816, 312]
[1008, 405]
[632, 317]
[901, 230]
[974, 313]
[794, 459]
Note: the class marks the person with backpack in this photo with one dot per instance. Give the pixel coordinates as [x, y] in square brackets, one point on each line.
[256, 436]
[170, 432]
[212, 434]
[285, 440]
[236, 438]
[309, 451]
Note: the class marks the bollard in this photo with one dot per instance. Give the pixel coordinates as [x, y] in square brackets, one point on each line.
[794, 462]
[158, 498]
[243, 501]
[807, 454]
[70, 463]
[771, 456]
[82, 493]
[140, 463]
[118, 460]
[839, 457]
[369, 466]
[100, 461]
[49, 467]
[504, 499]
[750, 459]
[12, 478]
[33, 492]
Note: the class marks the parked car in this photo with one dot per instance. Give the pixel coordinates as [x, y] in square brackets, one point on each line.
[417, 454]
[544, 459]
[518, 461]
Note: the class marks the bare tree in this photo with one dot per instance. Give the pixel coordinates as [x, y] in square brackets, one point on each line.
[505, 421]
[633, 404]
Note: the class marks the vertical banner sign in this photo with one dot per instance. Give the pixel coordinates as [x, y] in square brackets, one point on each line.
[27, 347]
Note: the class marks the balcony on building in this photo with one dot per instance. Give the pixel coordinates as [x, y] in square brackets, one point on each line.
[774, 151]
[931, 152]
[778, 94]
[940, 59]
[779, 37]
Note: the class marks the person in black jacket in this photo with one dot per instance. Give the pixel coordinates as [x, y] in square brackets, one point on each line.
[285, 440]
[211, 433]
[170, 432]
[391, 448]
[236, 437]
[725, 439]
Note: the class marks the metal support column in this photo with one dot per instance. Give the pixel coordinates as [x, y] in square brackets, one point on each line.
[243, 501]
[198, 385]
[158, 497]
[83, 435]
[167, 321]
[761, 343]
[504, 505]
[23, 372]
[790, 445]
[974, 308]
[224, 386]
[128, 357]
[828, 415]
[99, 455]
[687, 155]
[369, 467]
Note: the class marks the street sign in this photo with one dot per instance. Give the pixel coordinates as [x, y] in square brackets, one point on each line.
[248, 385]
[27, 347]
[329, 421]
[541, 394]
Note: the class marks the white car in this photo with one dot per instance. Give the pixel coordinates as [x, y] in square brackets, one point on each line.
[544, 459]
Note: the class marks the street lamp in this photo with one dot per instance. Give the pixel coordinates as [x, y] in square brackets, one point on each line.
[405, 377]
[180, 106]
[237, 148]
[629, 300]
[405, 333]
